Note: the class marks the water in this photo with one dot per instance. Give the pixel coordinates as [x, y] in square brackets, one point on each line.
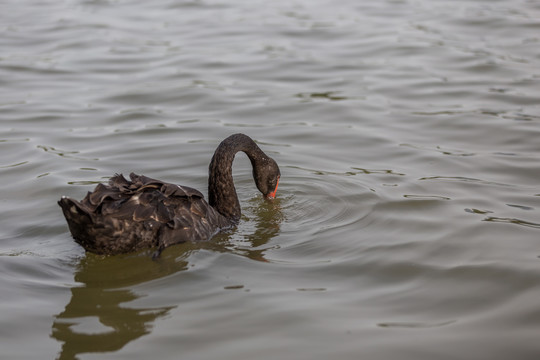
[407, 221]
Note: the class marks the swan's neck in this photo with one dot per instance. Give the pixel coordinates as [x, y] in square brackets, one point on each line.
[221, 192]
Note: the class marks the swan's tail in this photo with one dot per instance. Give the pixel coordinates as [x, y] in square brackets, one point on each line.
[77, 217]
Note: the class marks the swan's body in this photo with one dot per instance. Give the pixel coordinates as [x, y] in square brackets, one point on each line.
[125, 215]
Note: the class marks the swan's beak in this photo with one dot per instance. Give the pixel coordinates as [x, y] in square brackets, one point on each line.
[272, 195]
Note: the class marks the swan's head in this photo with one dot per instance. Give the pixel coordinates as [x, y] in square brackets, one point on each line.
[266, 174]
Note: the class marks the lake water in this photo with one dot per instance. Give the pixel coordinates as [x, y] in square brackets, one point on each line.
[407, 222]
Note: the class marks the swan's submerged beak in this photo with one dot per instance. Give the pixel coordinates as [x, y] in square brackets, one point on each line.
[272, 195]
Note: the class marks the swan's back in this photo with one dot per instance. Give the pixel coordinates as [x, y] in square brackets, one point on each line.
[129, 215]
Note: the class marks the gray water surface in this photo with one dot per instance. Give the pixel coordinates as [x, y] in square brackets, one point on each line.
[407, 221]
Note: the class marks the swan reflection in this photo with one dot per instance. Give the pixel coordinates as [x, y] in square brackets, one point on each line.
[101, 315]
[98, 317]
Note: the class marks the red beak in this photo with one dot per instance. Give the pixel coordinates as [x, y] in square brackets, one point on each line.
[273, 193]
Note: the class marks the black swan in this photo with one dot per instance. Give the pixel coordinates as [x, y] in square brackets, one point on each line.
[125, 216]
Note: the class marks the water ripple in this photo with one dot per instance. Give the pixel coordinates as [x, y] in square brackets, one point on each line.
[63, 153]
[415, 325]
[514, 221]
[14, 165]
[327, 202]
[463, 179]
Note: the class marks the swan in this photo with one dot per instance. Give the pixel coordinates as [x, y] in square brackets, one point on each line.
[129, 215]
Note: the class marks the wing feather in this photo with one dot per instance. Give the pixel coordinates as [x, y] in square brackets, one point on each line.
[124, 215]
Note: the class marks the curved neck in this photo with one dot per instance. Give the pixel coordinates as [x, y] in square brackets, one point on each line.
[221, 192]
